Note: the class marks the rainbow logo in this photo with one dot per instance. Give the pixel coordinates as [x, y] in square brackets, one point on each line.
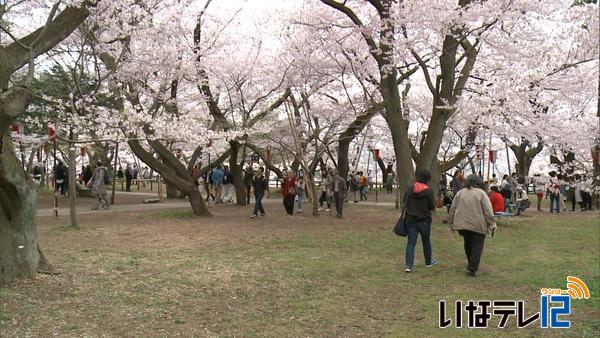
[576, 288]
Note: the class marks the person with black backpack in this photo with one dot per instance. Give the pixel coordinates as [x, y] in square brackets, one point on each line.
[97, 183]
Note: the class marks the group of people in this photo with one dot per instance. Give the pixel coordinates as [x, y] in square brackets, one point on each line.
[218, 185]
[359, 185]
[556, 187]
[470, 214]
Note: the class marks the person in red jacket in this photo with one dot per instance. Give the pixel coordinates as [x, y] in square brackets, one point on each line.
[496, 199]
[289, 192]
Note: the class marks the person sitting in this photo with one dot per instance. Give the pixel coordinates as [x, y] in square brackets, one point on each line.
[522, 200]
[497, 200]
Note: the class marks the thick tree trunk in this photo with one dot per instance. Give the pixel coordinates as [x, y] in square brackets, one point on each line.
[173, 172]
[346, 137]
[197, 202]
[173, 192]
[19, 252]
[525, 156]
[398, 128]
[343, 149]
[238, 175]
[19, 255]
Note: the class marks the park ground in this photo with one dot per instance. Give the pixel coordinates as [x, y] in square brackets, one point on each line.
[165, 273]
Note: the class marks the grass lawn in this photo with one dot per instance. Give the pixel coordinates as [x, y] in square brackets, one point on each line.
[164, 273]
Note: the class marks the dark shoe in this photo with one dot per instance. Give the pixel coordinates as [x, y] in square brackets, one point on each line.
[433, 262]
[471, 273]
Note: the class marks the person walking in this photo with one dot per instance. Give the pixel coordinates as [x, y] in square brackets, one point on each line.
[98, 188]
[472, 216]
[300, 192]
[338, 188]
[289, 192]
[389, 183]
[60, 177]
[418, 205]
[563, 192]
[553, 191]
[586, 193]
[363, 186]
[325, 192]
[228, 193]
[538, 186]
[128, 177]
[217, 180]
[354, 186]
[259, 184]
[576, 187]
[456, 184]
[248, 180]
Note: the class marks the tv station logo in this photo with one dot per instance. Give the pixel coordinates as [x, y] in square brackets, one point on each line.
[555, 306]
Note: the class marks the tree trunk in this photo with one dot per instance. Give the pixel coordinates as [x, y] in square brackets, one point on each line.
[343, 149]
[313, 190]
[173, 192]
[19, 255]
[197, 202]
[436, 175]
[238, 176]
[346, 137]
[525, 156]
[398, 128]
[173, 172]
[19, 252]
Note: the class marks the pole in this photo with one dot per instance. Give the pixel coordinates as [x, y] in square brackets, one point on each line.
[72, 182]
[54, 177]
[376, 184]
[114, 182]
[508, 158]
[489, 159]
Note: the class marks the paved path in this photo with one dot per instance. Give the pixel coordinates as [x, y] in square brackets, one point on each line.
[171, 205]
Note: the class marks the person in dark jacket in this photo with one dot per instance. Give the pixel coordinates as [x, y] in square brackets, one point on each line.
[128, 178]
[288, 190]
[338, 188]
[87, 174]
[248, 180]
[418, 207]
[259, 184]
[60, 178]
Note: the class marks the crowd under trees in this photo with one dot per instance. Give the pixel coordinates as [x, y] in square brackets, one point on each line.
[300, 84]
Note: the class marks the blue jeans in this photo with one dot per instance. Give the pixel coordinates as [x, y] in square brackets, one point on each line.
[555, 198]
[414, 229]
[300, 200]
[258, 204]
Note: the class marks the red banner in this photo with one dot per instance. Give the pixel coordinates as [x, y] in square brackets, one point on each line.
[376, 154]
[51, 132]
[492, 155]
